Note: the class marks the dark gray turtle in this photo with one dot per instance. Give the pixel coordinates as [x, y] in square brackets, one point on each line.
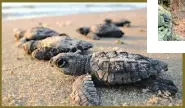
[101, 30]
[111, 68]
[35, 33]
[120, 23]
[51, 46]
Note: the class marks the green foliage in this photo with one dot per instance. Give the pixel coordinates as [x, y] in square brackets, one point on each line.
[165, 3]
[165, 27]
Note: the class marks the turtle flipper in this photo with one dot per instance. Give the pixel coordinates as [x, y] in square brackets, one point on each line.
[18, 33]
[159, 84]
[127, 24]
[93, 36]
[21, 42]
[84, 93]
[163, 85]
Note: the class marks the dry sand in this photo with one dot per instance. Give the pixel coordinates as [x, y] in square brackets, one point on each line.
[27, 81]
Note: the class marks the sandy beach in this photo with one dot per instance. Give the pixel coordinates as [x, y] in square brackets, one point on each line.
[29, 82]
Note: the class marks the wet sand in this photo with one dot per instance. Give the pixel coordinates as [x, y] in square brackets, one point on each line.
[27, 81]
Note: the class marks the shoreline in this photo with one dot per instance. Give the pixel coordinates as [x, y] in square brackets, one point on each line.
[66, 15]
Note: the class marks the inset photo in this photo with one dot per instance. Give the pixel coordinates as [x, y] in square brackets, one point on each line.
[171, 20]
[165, 26]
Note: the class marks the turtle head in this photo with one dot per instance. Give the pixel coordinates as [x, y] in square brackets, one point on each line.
[160, 66]
[83, 30]
[18, 33]
[69, 63]
[108, 21]
[29, 46]
[84, 45]
[163, 65]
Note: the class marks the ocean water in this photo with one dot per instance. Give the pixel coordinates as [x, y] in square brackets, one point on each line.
[12, 11]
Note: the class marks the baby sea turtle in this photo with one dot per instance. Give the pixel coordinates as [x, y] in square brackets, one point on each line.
[109, 69]
[51, 46]
[120, 23]
[101, 30]
[34, 33]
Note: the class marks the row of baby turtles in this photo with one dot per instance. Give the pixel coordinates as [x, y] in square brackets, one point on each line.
[111, 68]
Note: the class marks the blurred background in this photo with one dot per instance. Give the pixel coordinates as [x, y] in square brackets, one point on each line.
[12, 11]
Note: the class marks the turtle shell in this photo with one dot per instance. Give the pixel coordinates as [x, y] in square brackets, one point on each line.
[37, 33]
[122, 67]
[107, 30]
[51, 46]
[65, 42]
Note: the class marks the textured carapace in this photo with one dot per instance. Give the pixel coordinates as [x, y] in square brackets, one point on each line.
[51, 46]
[35, 33]
[122, 67]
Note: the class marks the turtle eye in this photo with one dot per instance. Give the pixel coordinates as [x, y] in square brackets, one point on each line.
[61, 62]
